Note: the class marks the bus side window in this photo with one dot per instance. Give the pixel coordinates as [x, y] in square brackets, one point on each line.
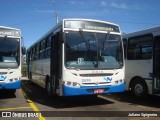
[140, 47]
[37, 49]
[42, 49]
[48, 47]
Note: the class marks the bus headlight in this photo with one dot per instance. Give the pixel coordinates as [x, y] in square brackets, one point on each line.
[76, 85]
[11, 80]
[68, 83]
[14, 79]
[119, 81]
[71, 84]
[116, 82]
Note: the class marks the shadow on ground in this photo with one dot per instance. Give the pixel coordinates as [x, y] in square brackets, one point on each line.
[150, 100]
[38, 94]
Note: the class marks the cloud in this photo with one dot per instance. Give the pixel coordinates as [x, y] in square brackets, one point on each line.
[72, 2]
[126, 6]
[103, 3]
[120, 5]
[76, 2]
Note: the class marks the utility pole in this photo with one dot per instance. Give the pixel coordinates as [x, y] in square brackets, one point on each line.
[56, 17]
[56, 13]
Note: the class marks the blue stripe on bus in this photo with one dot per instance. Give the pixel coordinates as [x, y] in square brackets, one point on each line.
[10, 85]
[69, 91]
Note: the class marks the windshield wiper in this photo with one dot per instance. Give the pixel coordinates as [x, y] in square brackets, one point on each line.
[84, 38]
[106, 40]
[87, 42]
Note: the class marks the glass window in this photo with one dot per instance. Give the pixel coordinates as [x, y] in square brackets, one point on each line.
[140, 47]
[48, 42]
[38, 47]
[89, 50]
[43, 43]
[9, 52]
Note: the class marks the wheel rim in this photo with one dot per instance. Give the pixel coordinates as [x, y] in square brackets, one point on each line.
[138, 89]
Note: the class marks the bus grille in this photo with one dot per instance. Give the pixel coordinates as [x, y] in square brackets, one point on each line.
[96, 75]
[100, 83]
[3, 73]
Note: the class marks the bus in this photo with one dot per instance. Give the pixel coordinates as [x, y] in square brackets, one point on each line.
[10, 58]
[142, 58]
[78, 57]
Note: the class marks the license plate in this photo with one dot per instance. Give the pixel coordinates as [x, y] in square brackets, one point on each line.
[98, 90]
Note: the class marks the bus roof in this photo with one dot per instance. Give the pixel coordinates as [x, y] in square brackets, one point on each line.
[9, 28]
[94, 20]
[142, 32]
[9, 31]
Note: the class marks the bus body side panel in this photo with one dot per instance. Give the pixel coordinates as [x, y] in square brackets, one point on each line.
[40, 69]
[143, 70]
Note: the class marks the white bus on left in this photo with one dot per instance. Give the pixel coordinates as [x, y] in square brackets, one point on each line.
[10, 58]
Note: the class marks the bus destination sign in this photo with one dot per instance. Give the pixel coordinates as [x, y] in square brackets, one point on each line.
[9, 32]
[90, 25]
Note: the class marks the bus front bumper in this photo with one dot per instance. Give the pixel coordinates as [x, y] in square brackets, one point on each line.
[90, 90]
[10, 85]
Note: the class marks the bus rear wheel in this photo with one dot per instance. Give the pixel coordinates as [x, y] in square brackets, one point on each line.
[139, 89]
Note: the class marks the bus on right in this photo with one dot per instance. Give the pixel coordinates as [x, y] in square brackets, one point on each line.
[142, 62]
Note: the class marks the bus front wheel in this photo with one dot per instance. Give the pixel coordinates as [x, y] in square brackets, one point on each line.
[139, 88]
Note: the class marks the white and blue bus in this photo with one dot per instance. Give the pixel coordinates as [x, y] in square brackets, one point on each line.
[142, 59]
[78, 57]
[10, 58]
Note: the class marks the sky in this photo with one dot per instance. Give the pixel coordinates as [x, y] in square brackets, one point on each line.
[36, 17]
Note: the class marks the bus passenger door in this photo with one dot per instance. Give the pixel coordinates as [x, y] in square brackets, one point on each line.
[156, 65]
[55, 61]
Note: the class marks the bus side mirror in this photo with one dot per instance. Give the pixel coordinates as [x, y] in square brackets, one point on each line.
[23, 50]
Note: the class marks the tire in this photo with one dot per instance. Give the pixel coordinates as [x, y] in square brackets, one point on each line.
[139, 89]
[48, 87]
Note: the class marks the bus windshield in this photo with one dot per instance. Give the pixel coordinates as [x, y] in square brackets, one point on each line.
[9, 52]
[90, 50]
